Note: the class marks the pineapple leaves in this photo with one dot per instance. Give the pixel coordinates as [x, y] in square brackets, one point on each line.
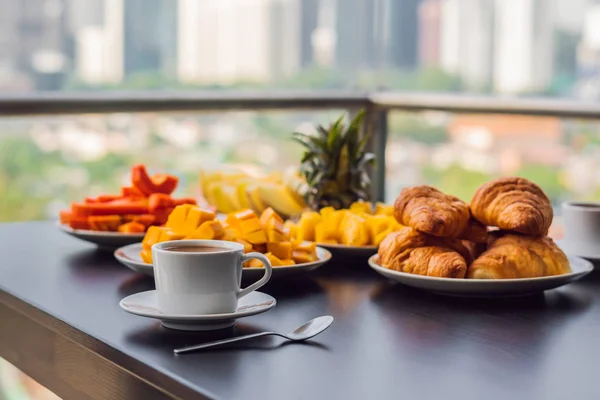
[334, 164]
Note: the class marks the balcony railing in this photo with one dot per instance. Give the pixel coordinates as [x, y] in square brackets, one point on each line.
[377, 105]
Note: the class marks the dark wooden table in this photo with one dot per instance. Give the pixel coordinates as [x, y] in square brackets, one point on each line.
[61, 324]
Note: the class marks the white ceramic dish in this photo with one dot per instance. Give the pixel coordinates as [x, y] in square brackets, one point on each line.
[350, 251]
[105, 239]
[130, 257]
[144, 304]
[486, 287]
[593, 255]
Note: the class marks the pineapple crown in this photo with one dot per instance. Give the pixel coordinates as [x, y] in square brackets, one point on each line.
[335, 164]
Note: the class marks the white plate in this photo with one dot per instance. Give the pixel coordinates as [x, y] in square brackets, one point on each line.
[130, 257]
[145, 304]
[350, 251]
[486, 287]
[106, 239]
[563, 244]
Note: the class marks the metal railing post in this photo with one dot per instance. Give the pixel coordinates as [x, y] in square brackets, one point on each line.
[376, 126]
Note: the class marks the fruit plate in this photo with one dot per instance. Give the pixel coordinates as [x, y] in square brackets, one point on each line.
[486, 287]
[343, 250]
[103, 239]
[130, 257]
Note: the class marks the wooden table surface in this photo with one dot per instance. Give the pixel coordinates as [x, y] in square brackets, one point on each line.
[61, 324]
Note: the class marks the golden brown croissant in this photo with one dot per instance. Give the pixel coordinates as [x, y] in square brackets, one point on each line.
[518, 256]
[514, 204]
[475, 232]
[430, 211]
[408, 250]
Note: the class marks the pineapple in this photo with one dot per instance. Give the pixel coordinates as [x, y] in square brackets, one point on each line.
[335, 163]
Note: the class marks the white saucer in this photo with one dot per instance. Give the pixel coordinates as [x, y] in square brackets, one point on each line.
[144, 304]
[106, 239]
[130, 257]
[564, 245]
[486, 287]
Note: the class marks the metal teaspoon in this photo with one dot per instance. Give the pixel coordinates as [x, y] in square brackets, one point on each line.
[310, 329]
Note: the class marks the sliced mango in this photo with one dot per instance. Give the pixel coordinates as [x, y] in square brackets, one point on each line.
[281, 250]
[197, 216]
[178, 216]
[306, 225]
[361, 207]
[209, 230]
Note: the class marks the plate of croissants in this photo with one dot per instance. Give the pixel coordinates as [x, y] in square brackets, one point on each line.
[497, 245]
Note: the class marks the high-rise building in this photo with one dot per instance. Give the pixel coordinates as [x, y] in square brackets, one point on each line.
[35, 43]
[402, 34]
[309, 19]
[467, 40]
[430, 24]
[356, 44]
[150, 36]
[523, 45]
[99, 41]
[224, 42]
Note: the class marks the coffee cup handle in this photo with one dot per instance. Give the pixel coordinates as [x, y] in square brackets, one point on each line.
[263, 280]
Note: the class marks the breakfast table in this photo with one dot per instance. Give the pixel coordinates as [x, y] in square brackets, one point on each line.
[61, 324]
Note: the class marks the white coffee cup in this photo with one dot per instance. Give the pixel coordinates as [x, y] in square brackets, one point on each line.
[198, 283]
[582, 227]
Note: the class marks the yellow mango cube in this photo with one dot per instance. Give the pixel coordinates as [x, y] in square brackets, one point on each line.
[247, 245]
[383, 209]
[325, 232]
[146, 256]
[327, 212]
[209, 230]
[289, 261]
[275, 261]
[257, 237]
[377, 224]
[196, 217]
[337, 218]
[309, 247]
[296, 243]
[169, 234]
[281, 250]
[152, 236]
[301, 257]
[177, 218]
[289, 229]
[232, 222]
[354, 231]
[361, 207]
[254, 263]
[274, 236]
[381, 235]
[245, 214]
[306, 225]
[250, 225]
[230, 234]
[269, 214]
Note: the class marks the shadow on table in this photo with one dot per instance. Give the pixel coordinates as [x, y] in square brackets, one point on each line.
[136, 283]
[555, 301]
[518, 331]
[93, 263]
[156, 336]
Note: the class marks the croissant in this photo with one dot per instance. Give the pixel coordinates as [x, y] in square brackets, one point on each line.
[430, 211]
[514, 204]
[408, 250]
[475, 232]
[518, 256]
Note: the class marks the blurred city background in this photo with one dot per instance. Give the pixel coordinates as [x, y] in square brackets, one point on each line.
[504, 48]
[508, 48]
